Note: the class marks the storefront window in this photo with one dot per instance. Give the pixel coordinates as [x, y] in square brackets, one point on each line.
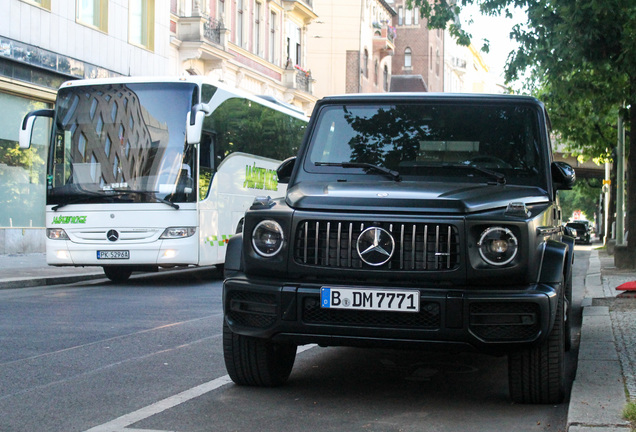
[22, 172]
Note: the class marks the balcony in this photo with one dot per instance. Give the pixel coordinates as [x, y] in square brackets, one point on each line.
[302, 9]
[202, 37]
[383, 40]
[296, 78]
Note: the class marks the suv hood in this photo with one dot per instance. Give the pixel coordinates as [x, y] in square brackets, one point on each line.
[456, 198]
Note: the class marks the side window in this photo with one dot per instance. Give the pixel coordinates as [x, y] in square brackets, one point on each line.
[206, 164]
[241, 125]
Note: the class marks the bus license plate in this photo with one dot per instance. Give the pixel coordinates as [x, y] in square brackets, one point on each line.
[370, 299]
[122, 254]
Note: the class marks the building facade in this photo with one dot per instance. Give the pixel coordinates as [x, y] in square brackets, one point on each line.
[418, 50]
[466, 71]
[351, 44]
[42, 44]
[255, 45]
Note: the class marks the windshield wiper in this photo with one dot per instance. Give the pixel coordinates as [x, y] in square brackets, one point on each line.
[393, 175]
[118, 193]
[151, 194]
[499, 177]
[82, 199]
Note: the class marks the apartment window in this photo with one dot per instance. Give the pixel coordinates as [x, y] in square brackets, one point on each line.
[365, 64]
[430, 58]
[239, 22]
[141, 30]
[407, 58]
[416, 17]
[386, 78]
[408, 17]
[44, 4]
[257, 28]
[437, 62]
[376, 73]
[298, 49]
[400, 15]
[272, 37]
[221, 9]
[93, 13]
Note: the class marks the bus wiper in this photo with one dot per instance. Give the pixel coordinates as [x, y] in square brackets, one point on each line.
[114, 195]
[393, 175]
[82, 199]
[499, 177]
[151, 194]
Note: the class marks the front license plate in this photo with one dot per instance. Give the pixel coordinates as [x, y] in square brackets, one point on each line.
[123, 254]
[370, 299]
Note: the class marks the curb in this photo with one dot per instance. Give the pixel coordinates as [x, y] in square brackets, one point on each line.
[45, 281]
[598, 392]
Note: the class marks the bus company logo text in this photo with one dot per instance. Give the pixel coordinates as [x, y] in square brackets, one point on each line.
[260, 178]
[61, 220]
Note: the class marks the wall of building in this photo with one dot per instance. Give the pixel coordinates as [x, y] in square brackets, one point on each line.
[337, 41]
[42, 46]
[426, 48]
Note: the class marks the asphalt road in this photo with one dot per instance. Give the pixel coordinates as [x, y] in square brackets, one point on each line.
[147, 355]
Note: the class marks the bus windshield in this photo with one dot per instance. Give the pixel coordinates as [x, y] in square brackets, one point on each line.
[122, 143]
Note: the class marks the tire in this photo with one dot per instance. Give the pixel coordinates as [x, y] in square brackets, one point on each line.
[536, 374]
[568, 311]
[256, 362]
[117, 274]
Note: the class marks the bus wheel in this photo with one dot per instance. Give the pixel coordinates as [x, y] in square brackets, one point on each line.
[117, 274]
[256, 362]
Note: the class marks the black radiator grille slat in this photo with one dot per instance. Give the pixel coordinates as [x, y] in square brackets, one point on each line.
[418, 246]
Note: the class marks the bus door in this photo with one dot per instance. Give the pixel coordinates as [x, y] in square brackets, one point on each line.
[210, 239]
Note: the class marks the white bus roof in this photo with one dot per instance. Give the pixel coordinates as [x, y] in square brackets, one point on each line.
[194, 79]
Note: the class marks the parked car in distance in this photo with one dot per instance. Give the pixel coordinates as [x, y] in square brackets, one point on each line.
[583, 233]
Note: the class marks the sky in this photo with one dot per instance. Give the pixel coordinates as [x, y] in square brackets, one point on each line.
[494, 28]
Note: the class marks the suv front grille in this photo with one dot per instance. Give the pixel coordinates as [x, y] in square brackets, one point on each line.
[428, 318]
[418, 246]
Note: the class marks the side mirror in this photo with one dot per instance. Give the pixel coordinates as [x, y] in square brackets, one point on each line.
[563, 175]
[194, 122]
[284, 170]
[26, 129]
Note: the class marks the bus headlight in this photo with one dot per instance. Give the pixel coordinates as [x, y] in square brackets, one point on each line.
[178, 232]
[267, 238]
[56, 234]
[497, 246]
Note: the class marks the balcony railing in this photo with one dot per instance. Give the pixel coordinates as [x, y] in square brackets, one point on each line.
[212, 30]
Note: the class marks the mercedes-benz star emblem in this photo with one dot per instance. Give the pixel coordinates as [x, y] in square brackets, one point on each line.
[375, 246]
[112, 235]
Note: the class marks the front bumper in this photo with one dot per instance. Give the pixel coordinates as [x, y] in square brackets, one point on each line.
[485, 320]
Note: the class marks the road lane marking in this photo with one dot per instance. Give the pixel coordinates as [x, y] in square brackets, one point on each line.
[120, 423]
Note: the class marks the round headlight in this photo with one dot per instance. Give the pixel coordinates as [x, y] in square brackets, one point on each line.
[267, 238]
[497, 246]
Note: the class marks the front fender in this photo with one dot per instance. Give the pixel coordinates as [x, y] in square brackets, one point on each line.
[553, 264]
[233, 255]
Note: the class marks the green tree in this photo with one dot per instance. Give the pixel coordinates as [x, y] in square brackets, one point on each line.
[584, 197]
[580, 55]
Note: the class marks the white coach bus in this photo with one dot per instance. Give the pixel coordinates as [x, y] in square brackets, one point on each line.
[145, 173]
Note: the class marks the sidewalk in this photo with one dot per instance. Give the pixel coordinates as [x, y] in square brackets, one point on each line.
[30, 270]
[607, 352]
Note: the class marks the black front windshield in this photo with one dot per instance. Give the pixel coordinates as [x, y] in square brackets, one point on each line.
[433, 142]
[122, 143]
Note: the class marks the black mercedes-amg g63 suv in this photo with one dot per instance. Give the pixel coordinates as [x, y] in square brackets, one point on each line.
[410, 220]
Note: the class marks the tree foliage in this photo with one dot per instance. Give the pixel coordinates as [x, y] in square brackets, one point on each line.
[580, 57]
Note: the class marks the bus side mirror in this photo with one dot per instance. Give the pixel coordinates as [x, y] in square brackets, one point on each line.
[26, 129]
[284, 170]
[194, 122]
